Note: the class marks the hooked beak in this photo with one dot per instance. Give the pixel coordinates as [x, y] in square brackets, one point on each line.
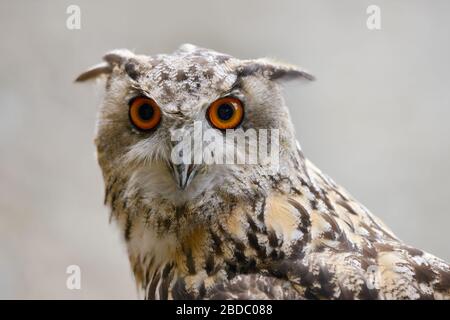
[183, 174]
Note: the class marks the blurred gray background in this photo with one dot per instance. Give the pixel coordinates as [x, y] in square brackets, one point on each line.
[377, 119]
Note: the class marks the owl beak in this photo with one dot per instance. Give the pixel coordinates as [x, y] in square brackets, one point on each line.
[183, 174]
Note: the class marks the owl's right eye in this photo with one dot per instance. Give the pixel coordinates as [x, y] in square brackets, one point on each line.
[144, 113]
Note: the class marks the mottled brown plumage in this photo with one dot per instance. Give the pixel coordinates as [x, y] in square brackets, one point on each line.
[239, 231]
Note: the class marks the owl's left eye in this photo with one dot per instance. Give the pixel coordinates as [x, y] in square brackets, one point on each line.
[144, 113]
[226, 113]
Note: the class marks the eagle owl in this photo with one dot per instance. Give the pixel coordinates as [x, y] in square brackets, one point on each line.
[236, 230]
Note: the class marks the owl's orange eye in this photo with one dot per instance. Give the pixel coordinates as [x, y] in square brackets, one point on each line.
[144, 113]
[226, 113]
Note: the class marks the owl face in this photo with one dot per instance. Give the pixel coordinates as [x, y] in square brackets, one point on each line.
[155, 106]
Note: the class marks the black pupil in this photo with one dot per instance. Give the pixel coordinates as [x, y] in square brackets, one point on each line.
[225, 111]
[146, 112]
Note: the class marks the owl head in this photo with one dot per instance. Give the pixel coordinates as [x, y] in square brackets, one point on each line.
[157, 110]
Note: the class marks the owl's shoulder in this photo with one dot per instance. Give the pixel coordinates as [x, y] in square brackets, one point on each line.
[348, 252]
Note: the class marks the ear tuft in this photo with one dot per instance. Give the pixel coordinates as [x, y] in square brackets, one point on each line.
[94, 72]
[118, 56]
[113, 58]
[273, 70]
